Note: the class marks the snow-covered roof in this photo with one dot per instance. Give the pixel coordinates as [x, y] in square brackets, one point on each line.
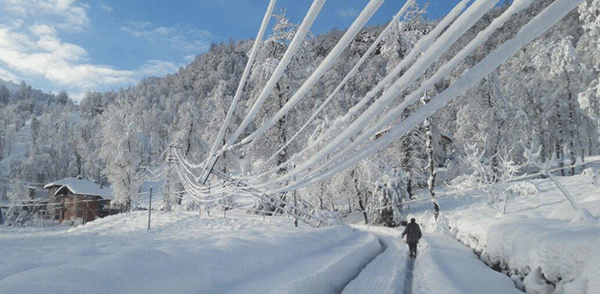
[82, 186]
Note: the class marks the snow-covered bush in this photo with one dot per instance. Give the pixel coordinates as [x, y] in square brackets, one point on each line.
[72, 222]
[522, 189]
[482, 174]
[225, 203]
[330, 217]
[593, 176]
[19, 216]
[263, 207]
[386, 207]
[487, 173]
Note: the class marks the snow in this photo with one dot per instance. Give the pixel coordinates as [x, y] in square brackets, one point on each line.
[536, 239]
[385, 274]
[186, 253]
[446, 266]
[541, 244]
[82, 186]
[183, 253]
[442, 266]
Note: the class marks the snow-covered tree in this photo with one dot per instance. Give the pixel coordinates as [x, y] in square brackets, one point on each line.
[387, 206]
[121, 151]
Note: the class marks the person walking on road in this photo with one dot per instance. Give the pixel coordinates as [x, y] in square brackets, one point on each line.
[413, 234]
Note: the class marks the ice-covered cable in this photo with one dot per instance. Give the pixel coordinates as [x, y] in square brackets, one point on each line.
[350, 74]
[279, 70]
[331, 58]
[538, 25]
[443, 71]
[240, 88]
[457, 29]
[421, 45]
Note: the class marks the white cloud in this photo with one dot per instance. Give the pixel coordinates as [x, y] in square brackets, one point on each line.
[180, 37]
[65, 14]
[43, 54]
[348, 13]
[105, 7]
[31, 49]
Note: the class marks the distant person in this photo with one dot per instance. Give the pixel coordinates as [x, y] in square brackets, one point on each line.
[413, 234]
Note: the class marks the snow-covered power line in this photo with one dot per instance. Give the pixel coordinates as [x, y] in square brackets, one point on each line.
[457, 29]
[245, 74]
[422, 45]
[535, 27]
[443, 71]
[279, 70]
[331, 58]
[349, 75]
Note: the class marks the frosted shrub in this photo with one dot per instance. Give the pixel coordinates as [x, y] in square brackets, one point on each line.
[482, 174]
[522, 189]
[386, 209]
[330, 217]
[18, 217]
[487, 172]
[593, 176]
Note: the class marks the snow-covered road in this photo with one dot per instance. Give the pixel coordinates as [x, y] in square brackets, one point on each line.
[442, 266]
[185, 253]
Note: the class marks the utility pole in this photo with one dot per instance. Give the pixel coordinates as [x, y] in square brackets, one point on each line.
[171, 160]
[149, 208]
[295, 210]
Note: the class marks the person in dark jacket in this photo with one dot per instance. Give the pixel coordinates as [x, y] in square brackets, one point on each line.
[413, 234]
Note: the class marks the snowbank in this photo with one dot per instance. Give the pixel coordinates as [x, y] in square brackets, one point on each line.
[446, 266]
[183, 253]
[537, 238]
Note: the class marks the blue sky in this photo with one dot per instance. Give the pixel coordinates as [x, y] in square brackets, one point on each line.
[79, 45]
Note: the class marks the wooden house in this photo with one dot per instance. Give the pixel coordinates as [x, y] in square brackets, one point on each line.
[80, 198]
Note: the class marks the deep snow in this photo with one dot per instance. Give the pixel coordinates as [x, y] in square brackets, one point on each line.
[537, 240]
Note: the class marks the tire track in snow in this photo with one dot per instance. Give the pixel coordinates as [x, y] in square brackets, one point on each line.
[387, 272]
[409, 276]
[326, 271]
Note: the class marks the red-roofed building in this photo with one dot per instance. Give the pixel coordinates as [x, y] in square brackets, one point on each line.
[81, 199]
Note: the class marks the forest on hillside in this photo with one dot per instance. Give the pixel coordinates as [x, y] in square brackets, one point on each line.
[546, 97]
